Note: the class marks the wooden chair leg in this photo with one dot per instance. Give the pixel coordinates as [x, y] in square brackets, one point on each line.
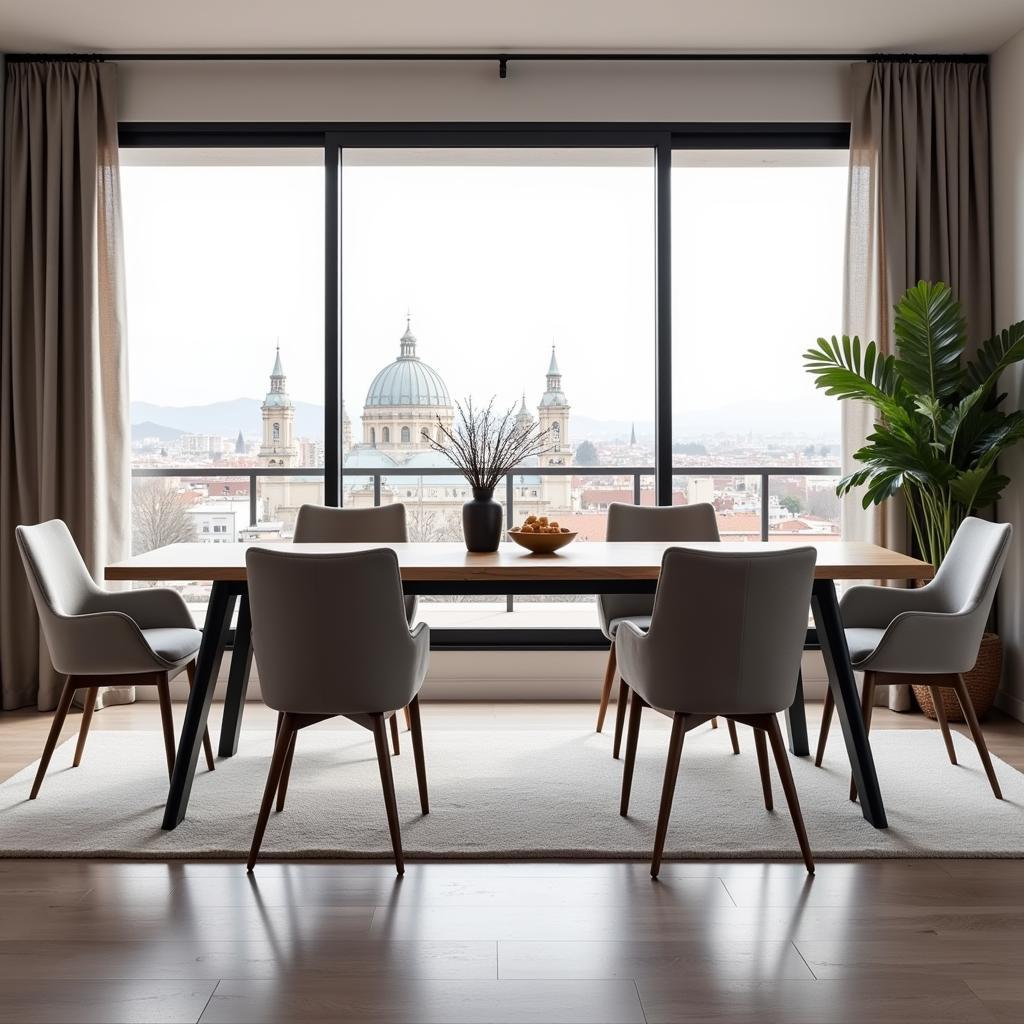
[286, 771]
[285, 735]
[734, 739]
[867, 702]
[387, 780]
[163, 692]
[408, 719]
[395, 743]
[66, 696]
[83, 729]
[979, 739]
[606, 687]
[620, 717]
[190, 669]
[789, 788]
[940, 715]
[668, 789]
[761, 744]
[417, 753]
[636, 709]
[826, 721]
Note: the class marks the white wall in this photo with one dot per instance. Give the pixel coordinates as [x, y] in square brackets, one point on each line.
[799, 91]
[1007, 71]
[783, 92]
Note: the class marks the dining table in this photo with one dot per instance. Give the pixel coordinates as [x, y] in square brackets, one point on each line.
[591, 567]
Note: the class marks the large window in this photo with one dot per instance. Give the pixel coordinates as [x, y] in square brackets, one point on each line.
[224, 267]
[757, 274]
[480, 262]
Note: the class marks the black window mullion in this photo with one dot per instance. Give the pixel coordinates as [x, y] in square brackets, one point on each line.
[663, 321]
[333, 491]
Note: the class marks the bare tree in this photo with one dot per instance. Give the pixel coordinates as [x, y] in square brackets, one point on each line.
[432, 525]
[159, 516]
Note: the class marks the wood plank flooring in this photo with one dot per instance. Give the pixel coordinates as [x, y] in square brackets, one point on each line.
[488, 943]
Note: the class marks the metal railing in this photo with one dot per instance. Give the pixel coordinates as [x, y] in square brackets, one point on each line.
[252, 474]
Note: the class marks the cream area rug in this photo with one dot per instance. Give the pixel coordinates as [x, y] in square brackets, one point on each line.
[511, 794]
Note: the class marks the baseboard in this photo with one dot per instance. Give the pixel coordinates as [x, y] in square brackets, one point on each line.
[1010, 705]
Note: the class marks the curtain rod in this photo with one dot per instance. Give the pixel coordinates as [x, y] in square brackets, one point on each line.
[504, 59]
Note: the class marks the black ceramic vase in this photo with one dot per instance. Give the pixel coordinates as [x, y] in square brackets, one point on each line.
[481, 521]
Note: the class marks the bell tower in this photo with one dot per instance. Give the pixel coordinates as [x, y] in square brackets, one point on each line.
[278, 447]
[553, 416]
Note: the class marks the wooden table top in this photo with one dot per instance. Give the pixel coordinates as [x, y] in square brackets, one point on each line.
[451, 563]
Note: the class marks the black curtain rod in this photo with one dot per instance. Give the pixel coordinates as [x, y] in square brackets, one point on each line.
[504, 58]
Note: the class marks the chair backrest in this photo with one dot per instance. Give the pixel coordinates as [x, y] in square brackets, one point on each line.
[329, 631]
[60, 581]
[969, 575]
[728, 630]
[320, 525]
[384, 524]
[693, 523]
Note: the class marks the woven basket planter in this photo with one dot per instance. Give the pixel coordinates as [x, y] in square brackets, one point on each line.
[982, 683]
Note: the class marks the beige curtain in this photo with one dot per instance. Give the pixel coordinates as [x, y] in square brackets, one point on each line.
[63, 379]
[918, 210]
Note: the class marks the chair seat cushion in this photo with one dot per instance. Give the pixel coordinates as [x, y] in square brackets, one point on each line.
[640, 621]
[173, 644]
[863, 642]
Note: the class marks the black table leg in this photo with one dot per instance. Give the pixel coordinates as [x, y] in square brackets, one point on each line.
[238, 681]
[841, 680]
[215, 634]
[796, 722]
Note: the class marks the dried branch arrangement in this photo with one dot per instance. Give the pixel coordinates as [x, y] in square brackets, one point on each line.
[485, 445]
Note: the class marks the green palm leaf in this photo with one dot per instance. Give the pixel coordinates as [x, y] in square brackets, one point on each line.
[930, 339]
[995, 355]
[840, 370]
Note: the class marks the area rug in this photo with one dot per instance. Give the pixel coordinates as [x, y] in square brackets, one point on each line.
[508, 794]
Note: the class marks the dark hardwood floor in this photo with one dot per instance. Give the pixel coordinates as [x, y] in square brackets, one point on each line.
[733, 942]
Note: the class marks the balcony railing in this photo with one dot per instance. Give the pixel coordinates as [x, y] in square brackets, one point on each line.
[376, 476]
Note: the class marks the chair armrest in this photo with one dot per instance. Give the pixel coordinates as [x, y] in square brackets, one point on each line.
[928, 643]
[876, 607]
[100, 643]
[420, 637]
[629, 645]
[153, 608]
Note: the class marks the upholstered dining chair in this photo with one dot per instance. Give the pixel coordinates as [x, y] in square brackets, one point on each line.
[726, 636]
[932, 631]
[97, 637]
[682, 523]
[385, 524]
[331, 638]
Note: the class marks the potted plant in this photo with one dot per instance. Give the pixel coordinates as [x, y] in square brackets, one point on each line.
[939, 432]
[485, 446]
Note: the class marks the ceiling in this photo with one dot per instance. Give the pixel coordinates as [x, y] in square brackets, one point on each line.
[723, 25]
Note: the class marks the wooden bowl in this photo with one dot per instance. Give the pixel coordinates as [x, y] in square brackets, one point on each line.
[541, 543]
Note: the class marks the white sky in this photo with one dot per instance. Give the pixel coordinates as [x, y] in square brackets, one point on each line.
[495, 263]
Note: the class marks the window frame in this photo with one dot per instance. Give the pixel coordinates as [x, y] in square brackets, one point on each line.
[333, 138]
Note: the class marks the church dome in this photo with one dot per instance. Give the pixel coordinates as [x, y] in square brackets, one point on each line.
[408, 381]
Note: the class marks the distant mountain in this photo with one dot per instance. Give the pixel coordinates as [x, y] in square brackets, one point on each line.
[148, 428]
[763, 418]
[758, 417]
[224, 418]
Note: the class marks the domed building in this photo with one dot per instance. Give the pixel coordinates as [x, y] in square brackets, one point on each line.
[405, 400]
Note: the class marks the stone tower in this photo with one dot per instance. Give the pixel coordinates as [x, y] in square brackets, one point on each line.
[553, 416]
[278, 447]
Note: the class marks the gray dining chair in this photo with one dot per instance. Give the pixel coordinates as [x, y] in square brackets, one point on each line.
[726, 636]
[331, 638]
[931, 631]
[682, 523]
[98, 638]
[384, 524]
